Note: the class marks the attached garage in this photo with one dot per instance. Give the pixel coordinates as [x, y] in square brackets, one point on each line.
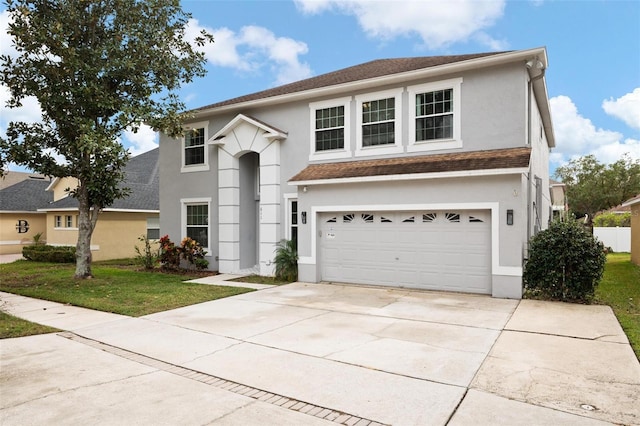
[436, 250]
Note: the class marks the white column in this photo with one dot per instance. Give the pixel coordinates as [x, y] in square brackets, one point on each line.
[228, 212]
[269, 206]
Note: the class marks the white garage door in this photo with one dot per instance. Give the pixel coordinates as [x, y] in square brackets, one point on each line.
[436, 250]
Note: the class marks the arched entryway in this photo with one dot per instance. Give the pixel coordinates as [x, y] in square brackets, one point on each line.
[249, 223]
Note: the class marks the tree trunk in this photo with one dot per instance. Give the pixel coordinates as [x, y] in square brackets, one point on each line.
[85, 230]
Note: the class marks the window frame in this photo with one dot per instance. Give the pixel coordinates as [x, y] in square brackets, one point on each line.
[386, 149]
[196, 167]
[57, 221]
[345, 152]
[455, 84]
[289, 200]
[185, 202]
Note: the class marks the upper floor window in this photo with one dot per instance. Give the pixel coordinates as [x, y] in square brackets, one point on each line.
[379, 123]
[435, 120]
[330, 129]
[194, 148]
[434, 115]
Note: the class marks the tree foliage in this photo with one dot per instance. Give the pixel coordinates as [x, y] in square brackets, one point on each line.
[97, 68]
[612, 220]
[565, 263]
[592, 186]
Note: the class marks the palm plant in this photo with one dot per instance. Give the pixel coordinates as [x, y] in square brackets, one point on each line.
[287, 260]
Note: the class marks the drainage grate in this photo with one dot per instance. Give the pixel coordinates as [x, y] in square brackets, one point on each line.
[228, 385]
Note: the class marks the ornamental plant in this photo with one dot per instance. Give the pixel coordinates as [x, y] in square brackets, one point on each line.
[286, 260]
[565, 263]
[189, 250]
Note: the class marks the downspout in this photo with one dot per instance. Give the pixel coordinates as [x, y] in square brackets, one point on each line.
[534, 63]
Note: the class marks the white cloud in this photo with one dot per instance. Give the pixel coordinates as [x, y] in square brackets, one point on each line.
[6, 41]
[437, 23]
[145, 139]
[625, 108]
[577, 136]
[253, 48]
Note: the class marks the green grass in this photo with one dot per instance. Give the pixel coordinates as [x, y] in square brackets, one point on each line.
[259, 279]
[11, 326]
[620, 289]
[114, 288]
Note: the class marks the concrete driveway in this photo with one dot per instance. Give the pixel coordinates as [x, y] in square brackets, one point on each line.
[307, 354]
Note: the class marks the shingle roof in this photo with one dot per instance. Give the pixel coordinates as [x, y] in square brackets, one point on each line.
[26, 196]
[464, 161]
[141, 177]
[11, 178]
[372, 69]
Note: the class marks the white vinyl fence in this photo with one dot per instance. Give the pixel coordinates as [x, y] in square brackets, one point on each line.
[619, 239]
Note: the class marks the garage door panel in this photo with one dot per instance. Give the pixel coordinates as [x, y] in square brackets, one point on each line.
[446, 250]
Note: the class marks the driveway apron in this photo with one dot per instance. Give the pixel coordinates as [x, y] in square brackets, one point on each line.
[324, 353]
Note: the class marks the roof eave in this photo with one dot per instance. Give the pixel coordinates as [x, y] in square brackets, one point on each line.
[412, 176]
[434, 71]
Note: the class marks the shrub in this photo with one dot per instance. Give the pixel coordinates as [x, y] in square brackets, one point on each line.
[189, 250]
[612, 220]
[565, 263]
[46, 253]
[193, 253]
[286, 260]
[147, 257]
[169, 253]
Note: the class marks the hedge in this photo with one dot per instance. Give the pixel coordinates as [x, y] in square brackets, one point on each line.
[46, 253]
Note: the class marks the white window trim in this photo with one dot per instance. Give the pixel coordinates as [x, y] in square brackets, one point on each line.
[63, 223]
[183, 216]
[396, 148]
[288, 198]
[336, 153]
[439, 144]
[196, 167]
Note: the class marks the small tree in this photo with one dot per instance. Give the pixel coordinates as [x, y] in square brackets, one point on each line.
[97, 68]
[612, 220]
[286, 260]
[565, 263]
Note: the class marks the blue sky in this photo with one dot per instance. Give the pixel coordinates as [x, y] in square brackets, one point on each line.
[593, 47]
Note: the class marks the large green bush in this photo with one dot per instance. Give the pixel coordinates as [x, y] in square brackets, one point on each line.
[565, 263]
[612, 220]
[46, 253]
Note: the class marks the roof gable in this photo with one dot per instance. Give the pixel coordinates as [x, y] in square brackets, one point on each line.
[270, 132]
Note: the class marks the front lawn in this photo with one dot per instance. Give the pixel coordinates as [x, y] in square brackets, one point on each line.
[121, 290]
[11, 326]
[620, 289]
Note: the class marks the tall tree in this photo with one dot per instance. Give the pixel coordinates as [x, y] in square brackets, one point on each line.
[592, 186]
[97, 67]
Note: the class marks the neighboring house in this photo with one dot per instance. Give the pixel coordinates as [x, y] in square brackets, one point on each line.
[634, 204]
[49, 209]
[427, 172]
[20, 219]
[559, 206]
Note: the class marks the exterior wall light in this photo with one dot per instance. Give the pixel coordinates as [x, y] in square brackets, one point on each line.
[509, 217]
[304, 218]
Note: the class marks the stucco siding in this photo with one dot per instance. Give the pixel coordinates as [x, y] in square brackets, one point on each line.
[115, 236]
[12, 241]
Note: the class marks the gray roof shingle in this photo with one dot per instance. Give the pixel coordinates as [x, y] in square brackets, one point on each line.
[141, 177]
[26, 196]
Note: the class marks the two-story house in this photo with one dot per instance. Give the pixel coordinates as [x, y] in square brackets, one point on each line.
[426, 172]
